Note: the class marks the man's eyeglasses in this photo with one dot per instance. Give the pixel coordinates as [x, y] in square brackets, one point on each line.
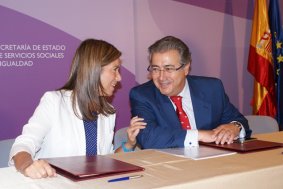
[167, 69]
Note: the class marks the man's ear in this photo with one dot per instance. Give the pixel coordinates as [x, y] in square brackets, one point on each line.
[187, 68]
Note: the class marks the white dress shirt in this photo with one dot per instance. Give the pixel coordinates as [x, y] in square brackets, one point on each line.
[191, 139]
[55, 131]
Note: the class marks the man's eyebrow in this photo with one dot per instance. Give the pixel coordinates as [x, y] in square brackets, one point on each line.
[168, 65]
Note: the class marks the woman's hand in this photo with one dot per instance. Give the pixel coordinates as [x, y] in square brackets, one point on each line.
[39, 169]
[133, 130]
[34, 169]
[136, 124]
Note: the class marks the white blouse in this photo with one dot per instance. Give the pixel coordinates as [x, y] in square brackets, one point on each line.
[55, 131]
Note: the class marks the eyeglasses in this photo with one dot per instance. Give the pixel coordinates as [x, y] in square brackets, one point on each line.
[167, 69]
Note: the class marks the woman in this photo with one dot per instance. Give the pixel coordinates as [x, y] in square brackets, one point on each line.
[77, 119]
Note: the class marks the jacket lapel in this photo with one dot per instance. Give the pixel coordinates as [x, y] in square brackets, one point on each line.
[167, 110]
[202, 109]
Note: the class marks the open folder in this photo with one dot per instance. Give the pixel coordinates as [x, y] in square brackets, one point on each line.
[79, 168]
[246, 146]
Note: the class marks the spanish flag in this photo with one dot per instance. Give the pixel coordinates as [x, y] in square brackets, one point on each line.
[260, 62]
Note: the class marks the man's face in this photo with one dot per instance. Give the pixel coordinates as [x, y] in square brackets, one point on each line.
[169, 84]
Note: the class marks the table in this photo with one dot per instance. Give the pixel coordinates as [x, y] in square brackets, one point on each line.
[262, 169]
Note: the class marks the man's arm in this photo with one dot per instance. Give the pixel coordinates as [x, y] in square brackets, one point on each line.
[232, 121]
[159, 133]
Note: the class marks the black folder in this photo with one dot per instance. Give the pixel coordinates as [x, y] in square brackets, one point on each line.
[79, 168]
[246, 146]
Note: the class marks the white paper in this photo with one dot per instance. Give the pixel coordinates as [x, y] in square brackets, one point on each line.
[197, 153]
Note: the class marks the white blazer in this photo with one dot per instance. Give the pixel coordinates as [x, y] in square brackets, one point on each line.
[55, 131]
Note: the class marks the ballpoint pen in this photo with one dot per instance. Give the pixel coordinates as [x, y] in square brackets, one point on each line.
[125, 178]
[243, 140]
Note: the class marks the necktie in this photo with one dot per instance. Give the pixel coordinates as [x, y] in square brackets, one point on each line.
[91, 137]
[177, 100]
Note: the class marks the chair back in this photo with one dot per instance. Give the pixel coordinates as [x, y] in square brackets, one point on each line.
[119, 137]
[5, 147]
[262, 124]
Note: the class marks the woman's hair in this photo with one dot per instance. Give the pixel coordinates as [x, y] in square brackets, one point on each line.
[171, 43]
[84, 79]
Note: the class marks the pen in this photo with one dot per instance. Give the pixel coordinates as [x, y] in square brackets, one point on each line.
[125, 178]
[244, 140]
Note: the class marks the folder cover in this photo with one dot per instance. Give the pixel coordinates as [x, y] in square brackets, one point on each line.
[79, 168]
[246, 146]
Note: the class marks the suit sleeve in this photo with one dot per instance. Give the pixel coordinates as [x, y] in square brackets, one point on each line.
[231, 113]
[158, 133]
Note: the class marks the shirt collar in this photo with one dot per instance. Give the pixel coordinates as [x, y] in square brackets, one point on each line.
[185, 90]
[184, 93]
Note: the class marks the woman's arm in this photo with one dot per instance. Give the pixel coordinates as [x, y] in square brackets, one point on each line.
[33, 169]
[133, 130]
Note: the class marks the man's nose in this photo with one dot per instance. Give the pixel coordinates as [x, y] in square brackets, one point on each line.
[161, 74]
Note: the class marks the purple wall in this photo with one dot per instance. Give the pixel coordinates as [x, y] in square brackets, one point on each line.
[218, 36]
[24, 79]
[217, 32]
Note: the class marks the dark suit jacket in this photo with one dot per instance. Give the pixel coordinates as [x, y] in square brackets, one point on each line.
[211, 108]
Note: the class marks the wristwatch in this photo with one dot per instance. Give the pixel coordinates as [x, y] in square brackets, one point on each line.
[238, 124]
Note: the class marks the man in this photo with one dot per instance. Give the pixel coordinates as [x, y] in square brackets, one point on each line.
[204, 109]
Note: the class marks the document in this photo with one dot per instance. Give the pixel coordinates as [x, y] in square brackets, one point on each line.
[197, 153]
[79, 168]
[246, 146]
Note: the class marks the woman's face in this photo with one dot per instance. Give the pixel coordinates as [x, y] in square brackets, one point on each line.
[110, 76]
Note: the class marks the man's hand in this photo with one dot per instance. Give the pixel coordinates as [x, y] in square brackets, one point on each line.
[226, 133]
[206, 136]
